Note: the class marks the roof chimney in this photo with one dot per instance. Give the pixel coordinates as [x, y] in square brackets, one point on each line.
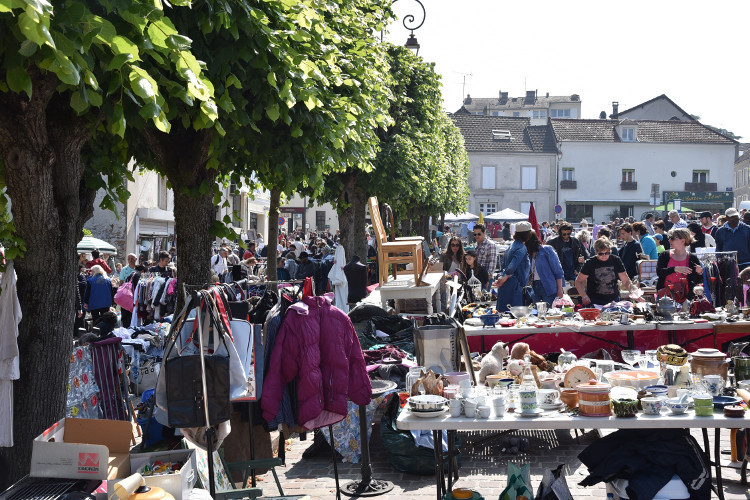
[503, 97]
[530, 97]
[615, 109]
[548, 94]
[603, 115]
[468, 99]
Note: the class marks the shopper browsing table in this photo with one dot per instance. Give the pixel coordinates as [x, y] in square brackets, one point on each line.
[472, 268]
[516, 267]
[546, 271]
[678, 263]
[570, 251]
[597, 281]
[485, 248]
[454, 255]
[630, 250]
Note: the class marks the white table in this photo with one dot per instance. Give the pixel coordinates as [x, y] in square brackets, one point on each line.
[554, 419]
[404, 288]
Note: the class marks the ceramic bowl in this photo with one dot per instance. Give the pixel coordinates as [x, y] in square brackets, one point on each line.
[489, 319]
[427, 402]
[638, 379]
[455, 378]
[652, 406]
[589, 314]
[676, 406]
[625, 407]
[658, 390]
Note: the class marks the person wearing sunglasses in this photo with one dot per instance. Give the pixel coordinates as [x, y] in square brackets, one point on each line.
[570, 251]
[597, 281]
[453, 256]
[678, 263]
[516, 267]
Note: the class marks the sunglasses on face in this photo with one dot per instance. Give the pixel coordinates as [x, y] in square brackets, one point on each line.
[672, 238]
[602, 254]
[566, 233]
[478, 234]
[455, 245]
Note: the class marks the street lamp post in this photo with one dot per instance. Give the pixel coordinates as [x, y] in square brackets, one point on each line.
[412, 22]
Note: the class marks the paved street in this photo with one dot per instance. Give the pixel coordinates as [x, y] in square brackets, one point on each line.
[484, 468]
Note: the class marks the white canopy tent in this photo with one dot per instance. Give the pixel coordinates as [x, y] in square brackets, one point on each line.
[463, 217]
[506, 215]
[89, 243]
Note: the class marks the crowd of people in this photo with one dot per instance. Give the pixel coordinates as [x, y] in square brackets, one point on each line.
[594, 261]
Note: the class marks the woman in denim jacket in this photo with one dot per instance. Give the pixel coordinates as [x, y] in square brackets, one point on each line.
[546, 270]
[515, 269]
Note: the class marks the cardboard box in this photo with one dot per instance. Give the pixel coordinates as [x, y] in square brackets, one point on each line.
[180, 484]
[76, 448]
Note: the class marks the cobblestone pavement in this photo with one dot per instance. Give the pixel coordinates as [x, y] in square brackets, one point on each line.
[484, 467]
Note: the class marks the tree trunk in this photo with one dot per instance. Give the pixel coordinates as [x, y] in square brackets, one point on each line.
[352, 220]
[40, 147]
[423, 227]
[273, 234]
[183, 154]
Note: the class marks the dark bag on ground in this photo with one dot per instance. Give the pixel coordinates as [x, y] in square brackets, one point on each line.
[403, 453]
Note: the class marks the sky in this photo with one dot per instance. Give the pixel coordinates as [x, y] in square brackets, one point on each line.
[627, 51]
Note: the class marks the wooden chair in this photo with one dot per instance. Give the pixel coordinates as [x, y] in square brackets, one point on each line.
[400, 251]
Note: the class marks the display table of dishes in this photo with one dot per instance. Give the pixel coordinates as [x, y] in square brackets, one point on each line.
[557, 419]
[582, 337]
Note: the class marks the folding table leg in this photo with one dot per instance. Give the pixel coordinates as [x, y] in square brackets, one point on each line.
[437, 441]
[717, 458]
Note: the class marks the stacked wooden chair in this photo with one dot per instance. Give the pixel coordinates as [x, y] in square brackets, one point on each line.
[407, 250]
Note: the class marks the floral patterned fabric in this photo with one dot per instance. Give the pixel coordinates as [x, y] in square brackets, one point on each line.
[83, 393]
[346, 432]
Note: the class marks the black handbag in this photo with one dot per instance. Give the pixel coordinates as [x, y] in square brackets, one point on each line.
[184, 378]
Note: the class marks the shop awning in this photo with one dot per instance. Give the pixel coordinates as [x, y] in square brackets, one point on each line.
[463, 217]
[507, 215]
[89, 243]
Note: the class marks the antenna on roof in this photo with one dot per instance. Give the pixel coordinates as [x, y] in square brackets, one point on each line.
[463, 85]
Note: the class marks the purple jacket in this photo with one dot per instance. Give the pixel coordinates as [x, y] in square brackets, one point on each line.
[317, 345]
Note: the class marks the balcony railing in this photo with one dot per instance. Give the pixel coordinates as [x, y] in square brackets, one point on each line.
[628, 186]
[700, 187]
[568, 185]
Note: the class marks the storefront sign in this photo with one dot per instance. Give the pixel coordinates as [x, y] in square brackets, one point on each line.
[689, 197]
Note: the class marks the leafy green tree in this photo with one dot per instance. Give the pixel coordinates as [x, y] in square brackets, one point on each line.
[300, 93]
[69, 75]
[421, 167]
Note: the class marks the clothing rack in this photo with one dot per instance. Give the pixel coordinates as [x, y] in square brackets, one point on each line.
[707, 260]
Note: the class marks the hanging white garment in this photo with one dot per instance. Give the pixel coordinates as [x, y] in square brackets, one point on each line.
[10, 316]
[337, 277]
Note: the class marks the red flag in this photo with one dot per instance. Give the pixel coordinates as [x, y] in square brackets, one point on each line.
[534, 223]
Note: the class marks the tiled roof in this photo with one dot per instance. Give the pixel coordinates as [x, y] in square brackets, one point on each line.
[477, 133]
[657, 98]
[648, 132]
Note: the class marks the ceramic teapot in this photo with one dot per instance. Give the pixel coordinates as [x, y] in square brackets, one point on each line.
[709, 362]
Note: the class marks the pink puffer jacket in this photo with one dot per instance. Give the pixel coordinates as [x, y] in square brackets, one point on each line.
[317, 345]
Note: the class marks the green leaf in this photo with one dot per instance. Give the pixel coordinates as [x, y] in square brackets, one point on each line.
[78, 103]
[8, 5]
[121, 45]
[19, 80]
[272, 112]
[65, 70]
[178, 42]
[117, 125]
[233, 81]
[35, 31]
[120, 59]
[95, 99]
[272, 80]
[150, 110]
[210, 110]
[162, 123]
[28, 48]
[142, 84]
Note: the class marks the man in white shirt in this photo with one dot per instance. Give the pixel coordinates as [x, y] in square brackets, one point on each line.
[219, 263]
[299, 247]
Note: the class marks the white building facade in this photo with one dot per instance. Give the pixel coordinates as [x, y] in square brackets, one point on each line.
[608, 166]
[512, 163]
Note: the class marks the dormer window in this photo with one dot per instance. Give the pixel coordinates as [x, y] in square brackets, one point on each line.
[501, 135]
[627, 130]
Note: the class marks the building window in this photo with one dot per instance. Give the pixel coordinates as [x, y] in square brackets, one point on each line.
[488, 177]
[516, 113]
[525, 207]
[487, 208]
[568, 174]
[628, 175]
[528, 177]
[162, 194]
[626, 210]
[579, 211]
[253, 221]
[236, 209]
[320, 219]
[496, 113]
[700, 175]
[559, 113]
[540, 113]
[628, 134]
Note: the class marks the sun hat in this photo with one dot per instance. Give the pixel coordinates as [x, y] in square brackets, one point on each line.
[522, 227]
[732, 212]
